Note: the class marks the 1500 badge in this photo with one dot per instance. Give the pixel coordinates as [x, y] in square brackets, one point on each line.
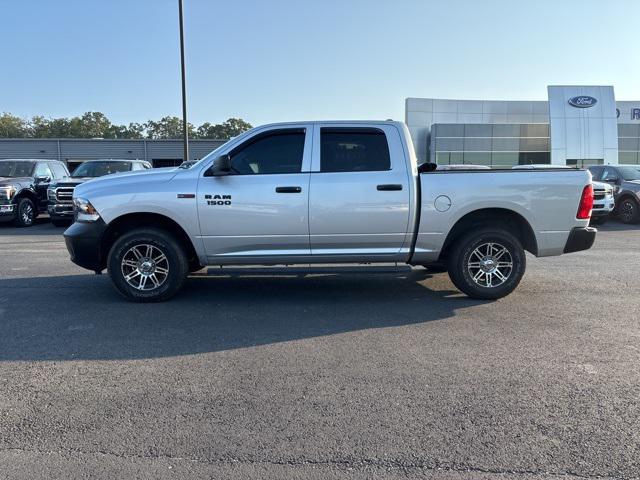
[218, 199]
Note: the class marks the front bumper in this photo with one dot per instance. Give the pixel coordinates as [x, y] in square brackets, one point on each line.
[602, 208]
[7, 212]
[84, 243]
[60, 210]
[580, 238]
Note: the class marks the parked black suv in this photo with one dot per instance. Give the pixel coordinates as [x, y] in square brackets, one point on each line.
[23, 188]
[61, 192]
[625, 180]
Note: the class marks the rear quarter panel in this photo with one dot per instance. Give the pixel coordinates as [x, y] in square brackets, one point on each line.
[547, 199]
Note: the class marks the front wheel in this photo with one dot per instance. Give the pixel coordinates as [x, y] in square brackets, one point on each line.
[25, 213]
[147, 265]
[487, 263]
[629, 211]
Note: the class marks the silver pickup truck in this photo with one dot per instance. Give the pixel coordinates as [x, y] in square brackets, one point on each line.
[326, 192]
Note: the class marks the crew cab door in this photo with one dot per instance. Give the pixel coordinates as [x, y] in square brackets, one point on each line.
[359, 196]
[42, 178]
[260, 210]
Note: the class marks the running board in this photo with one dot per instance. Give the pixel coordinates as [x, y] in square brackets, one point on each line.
[308, 270]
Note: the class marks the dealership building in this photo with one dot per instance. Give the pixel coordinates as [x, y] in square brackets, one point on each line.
[74, 151]
[577, 125]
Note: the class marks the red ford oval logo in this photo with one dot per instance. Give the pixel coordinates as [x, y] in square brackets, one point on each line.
[582, 101]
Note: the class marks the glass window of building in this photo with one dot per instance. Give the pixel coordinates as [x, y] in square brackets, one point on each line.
[477, 130]
[504, 159]
[506, 130]
[629, 130]
[448, 130]
[628, 158]
[477, 158]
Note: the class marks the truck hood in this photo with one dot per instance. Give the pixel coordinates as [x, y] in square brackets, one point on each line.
[129, 181]
[8, 181]
[70, 181]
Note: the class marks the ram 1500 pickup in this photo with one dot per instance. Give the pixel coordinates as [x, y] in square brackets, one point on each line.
[326, 192]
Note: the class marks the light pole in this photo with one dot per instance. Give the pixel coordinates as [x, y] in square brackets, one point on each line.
[185, 130]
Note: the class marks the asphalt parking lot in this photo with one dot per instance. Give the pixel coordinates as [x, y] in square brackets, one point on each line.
[324, 376]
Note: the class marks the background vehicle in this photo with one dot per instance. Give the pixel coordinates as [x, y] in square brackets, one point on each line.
[23, 188]
[60, 192]
[625, 180]
[326, 192]
[603, 202]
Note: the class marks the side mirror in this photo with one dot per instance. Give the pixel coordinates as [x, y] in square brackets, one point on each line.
[612, 180]
[427, 167]
[221, 166]
[43, 179]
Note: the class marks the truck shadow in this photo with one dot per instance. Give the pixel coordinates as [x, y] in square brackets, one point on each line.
[82, 318]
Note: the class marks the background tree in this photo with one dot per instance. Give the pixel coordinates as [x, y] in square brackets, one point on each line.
[97, 125]
[12, 126]
[228, 129]
[167, 127]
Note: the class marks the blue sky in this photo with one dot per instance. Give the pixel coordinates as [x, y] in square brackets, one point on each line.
[281, 60]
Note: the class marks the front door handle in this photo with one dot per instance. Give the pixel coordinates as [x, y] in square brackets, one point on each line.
[389, 187]
[288, 189]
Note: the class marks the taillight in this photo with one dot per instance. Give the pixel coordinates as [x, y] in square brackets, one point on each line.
[586, 203]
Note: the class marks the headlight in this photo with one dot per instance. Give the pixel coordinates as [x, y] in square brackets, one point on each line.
[7, 192]
[51, 193]
[86, 212]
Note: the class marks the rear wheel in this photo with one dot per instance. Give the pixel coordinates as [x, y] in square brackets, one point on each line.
[487, 264]
[25, 213]
[147, 265]
[629, 211]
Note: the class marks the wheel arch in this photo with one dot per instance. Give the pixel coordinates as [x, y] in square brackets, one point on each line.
[129, 221]
[26, 193]
[502, 217]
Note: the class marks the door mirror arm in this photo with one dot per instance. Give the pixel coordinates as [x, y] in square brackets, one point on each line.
[221, 166]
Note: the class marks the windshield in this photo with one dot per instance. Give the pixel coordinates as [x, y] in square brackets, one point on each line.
[99, 169]
[630, 173]
[15, 169]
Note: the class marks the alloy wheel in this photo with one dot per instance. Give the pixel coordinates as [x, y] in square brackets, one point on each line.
[490, 265]
[27, 214]
[627, 210]
[145, 267]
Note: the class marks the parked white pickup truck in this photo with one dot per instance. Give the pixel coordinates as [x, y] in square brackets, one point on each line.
[326, 192]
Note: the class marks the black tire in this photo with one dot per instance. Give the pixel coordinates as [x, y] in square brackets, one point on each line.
[26, 213]
[629, 211]
[464, 249]
[60, 222]
[598, 220]
[160, 240]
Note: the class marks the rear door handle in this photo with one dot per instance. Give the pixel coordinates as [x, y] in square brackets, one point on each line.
[389, 187]
[288, 189]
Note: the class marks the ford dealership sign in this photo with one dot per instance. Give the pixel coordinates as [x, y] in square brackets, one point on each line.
[582, 101]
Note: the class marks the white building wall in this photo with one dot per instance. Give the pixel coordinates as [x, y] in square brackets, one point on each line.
[583, 133]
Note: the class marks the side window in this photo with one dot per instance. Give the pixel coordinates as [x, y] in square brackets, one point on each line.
[353, 150]
[42, 170]
[136, 166]
[596, 172]
[609, 175]
[278, 151]
[58, 170]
